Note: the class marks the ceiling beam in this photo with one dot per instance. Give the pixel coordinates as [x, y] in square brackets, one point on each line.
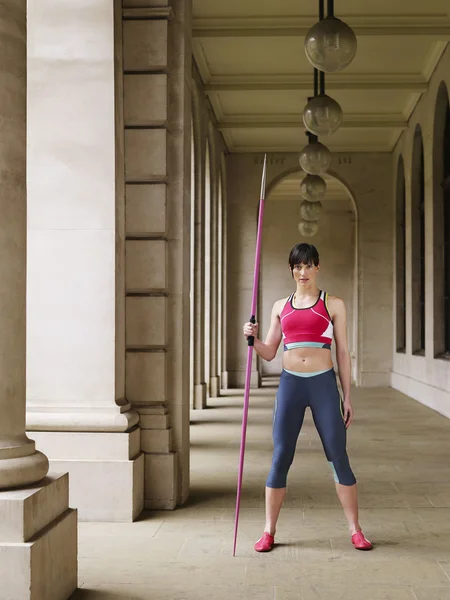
[295, 121]
[269, 148]
[341, 81]
[436, 26]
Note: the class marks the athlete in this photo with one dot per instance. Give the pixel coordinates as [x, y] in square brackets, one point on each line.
[306, 321]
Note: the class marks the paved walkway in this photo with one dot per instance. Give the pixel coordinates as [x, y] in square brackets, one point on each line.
[400, 453]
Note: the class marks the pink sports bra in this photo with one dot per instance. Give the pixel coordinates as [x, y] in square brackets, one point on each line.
[307, 327]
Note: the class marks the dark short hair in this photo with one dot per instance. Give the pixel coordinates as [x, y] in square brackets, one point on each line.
[305, 254]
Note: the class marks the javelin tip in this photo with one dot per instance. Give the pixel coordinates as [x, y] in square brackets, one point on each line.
[263, 181]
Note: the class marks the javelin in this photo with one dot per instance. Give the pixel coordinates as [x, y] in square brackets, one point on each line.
[250, 341]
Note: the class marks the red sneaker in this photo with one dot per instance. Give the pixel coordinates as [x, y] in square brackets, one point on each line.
[360, 542]
[265, 543]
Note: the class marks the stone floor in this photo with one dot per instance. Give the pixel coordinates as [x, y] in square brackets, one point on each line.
[400, 453]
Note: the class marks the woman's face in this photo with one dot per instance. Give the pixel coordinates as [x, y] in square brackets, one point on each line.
[305, 275]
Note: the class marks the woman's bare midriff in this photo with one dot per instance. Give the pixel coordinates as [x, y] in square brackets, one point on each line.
[307, 360]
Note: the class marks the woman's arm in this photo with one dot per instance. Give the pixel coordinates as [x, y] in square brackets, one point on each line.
[339, 316]
[268, 349]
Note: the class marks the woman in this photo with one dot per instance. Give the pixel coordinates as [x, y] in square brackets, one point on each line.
[306, 321]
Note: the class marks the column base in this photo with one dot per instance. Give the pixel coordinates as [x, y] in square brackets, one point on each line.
[106, 471]
[224, 380]
[116, 419]
[22, 470]
[38, 542]
[236, 379]
[161, 478]
[200, 396]
[214, 387]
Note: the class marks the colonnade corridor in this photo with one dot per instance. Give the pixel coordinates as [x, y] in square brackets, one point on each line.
[399, 451]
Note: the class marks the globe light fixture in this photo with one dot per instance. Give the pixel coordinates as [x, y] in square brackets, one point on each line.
[308, 228]
[313, 188]
[310, 211]
[315, 158]
[322, 115]
[330, 45]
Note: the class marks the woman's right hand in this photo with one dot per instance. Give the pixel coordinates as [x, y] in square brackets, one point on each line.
[251, 329]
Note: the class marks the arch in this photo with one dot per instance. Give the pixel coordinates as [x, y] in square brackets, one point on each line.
[441, 223]
[355, 340]
[279, 178]
[418, 243]
[400, 254]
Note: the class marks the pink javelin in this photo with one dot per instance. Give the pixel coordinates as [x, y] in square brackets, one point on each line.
[250, 341]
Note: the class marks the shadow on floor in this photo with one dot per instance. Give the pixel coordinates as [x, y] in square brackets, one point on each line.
[93, 594]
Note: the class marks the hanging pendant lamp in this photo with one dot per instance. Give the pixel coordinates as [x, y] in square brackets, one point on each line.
[313, 188]
[322, 115]
[310, 211]
[330, 45]
[315, 158]
[308, 228]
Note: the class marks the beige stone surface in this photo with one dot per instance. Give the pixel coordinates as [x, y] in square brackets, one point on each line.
[146, 321]
[44, 568]
[425, 378]
[146, 377]
[38, 541]
[154, 421]
[156, 440]
[146, 209]
[161, 473]
[145, 45]
[89, 445]
[26, 511]
[145, 101]
[146, 265]
[105, 490]
[145, 154]
[186, 554]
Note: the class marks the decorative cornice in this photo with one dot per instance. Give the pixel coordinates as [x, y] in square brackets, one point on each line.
[436, 26]
[295, 82]
[360, 121]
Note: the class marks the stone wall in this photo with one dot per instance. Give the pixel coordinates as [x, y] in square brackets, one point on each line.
[335, 242]
[369, 180]
[425, 378]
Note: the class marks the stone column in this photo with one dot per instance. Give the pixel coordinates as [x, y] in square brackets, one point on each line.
[157, 59]
[77, 408]
[20, 464]
[200, 391]
[223, 299]
[38, 532]
[214, 379]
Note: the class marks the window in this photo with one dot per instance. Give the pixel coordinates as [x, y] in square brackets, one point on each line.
[418, 244]
[441, 224]
[401, 257]
[446, 194]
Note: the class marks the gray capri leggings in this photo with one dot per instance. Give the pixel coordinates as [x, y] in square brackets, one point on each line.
[321, 394]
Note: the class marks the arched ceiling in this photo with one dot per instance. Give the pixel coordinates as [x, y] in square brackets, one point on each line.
[250, 58]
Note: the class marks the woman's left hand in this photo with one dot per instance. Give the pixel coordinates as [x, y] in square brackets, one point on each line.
[348, 413]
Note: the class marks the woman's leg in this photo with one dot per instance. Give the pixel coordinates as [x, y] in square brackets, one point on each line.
[289, 412]
[274, 501]
[348, 495]
[327, 411]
